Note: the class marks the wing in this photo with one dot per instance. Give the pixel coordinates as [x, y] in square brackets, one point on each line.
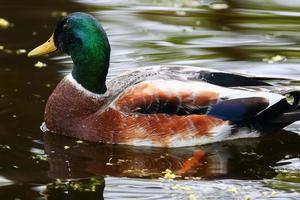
[195, 97]
[239, 109]
[229, 80]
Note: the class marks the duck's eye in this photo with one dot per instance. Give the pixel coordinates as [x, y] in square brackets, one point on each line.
[66, 27]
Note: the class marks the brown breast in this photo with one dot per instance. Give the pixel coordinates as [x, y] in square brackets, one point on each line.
[67, 108]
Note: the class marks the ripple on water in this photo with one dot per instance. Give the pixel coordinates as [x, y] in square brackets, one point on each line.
[125, 188]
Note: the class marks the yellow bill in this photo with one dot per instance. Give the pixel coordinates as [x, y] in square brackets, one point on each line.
[45, 48]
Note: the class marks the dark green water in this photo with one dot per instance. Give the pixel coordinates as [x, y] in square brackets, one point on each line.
[245, 36]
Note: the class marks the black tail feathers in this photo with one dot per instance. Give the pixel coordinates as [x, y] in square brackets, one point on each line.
[288, 117]
[282, 114]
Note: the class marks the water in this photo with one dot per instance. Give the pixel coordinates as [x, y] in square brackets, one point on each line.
[258, 37]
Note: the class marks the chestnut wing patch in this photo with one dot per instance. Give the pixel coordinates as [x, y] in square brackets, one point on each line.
[147, 98]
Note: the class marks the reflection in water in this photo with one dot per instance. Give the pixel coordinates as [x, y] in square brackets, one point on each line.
[249, 158]
[239, 159]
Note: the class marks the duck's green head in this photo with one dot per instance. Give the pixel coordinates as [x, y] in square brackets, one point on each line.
[82, 37]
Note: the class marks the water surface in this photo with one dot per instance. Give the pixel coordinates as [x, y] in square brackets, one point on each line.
[257, 37]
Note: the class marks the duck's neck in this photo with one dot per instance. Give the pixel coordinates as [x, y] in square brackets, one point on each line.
[91, 62]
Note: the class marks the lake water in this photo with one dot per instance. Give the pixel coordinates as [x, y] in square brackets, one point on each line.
[249, 36]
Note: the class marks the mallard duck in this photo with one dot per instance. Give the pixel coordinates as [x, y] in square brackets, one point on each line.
[165, 106]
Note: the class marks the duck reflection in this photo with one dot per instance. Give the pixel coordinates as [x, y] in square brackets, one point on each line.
[247, 158]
